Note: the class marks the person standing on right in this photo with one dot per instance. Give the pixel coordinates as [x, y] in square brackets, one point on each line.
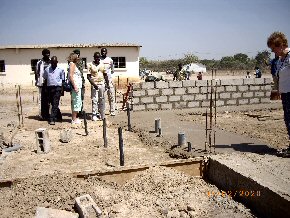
[109, 68]
[43, 104]
[278, 43]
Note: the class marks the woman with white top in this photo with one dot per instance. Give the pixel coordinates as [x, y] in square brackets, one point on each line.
[278, 43]
[76, 93]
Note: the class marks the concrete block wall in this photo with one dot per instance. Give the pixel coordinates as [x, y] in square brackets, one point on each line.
[196, 93]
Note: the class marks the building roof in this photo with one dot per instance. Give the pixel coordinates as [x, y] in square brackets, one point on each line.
[80, 45]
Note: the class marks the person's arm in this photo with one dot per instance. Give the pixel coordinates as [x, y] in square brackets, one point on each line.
[72, 67]
[112, 66]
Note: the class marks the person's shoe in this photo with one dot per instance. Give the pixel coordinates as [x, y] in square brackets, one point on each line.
[52, 123]
[76, 121]
[95, 118]
[112, 114]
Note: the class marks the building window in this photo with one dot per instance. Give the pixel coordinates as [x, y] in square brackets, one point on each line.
[84, 60]
[119, 62]
[33, 64]
[2, 66]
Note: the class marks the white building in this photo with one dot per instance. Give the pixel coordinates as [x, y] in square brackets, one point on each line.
[17, 62]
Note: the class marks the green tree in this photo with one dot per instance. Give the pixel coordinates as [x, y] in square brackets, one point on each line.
[261, 57]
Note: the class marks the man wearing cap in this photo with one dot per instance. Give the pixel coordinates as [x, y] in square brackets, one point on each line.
[109, 68]
[40, 83]
[80, 66]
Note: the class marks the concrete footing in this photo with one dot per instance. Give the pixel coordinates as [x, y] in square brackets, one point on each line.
[255, 191]
[42, 212]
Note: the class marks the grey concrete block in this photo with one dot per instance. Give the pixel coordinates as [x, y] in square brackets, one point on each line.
[187, 97]
[220, 88]
[136, 100]
[220, 103]
[243, 88]
[259, 94]
[254, 100]
[231, 102]
[205, 103]
[193, 90]
[161, 85]
[267, 87]
[161, 99]
[255, 88]
[146, 100]
[139, 107]
[174, 98]
[231, 88]
[243, 101]
[204, 90]
[268, 80]
[249, 81]
[175, 84]
[200, 97]
[166, 106]
[259, 81]
[42, 140]
[188, 83]
[179, 105]
[236, 95]
[179, 91]
[139, 93]
[136, 86]
[152, 92]
[248, 94]
[147, 85]
[265, 100]
[232, 82]
[87, 208]
[192, 104]
[42, 212]
[225, 95]
[201, 83]
[166, 91]
[152, 106]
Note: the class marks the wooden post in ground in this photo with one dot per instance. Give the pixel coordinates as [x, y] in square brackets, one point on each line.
[121, 147]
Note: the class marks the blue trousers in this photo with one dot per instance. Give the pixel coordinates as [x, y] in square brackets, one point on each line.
[285, 97]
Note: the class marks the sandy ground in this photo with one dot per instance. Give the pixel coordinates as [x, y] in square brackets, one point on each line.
[157, 192]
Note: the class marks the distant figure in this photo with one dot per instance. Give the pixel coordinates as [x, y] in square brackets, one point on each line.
[42, 88]
[199, 76]
[258, 72]
[248, 76]
[278, 43]
[187, 73]
[54, 77]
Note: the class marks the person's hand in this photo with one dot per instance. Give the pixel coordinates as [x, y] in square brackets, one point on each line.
[76, 89]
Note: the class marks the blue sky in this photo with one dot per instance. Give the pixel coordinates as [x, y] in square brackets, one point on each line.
[164, 28]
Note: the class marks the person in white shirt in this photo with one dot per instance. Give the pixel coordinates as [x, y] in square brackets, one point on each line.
[96, 77]
[278, 43]
[109, 68]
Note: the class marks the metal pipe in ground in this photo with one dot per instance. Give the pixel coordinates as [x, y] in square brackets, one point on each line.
[121, 147]
[181, 139]
[129, 116]
[105, 133]
[157, 125]
[85, 122]
[189, 148]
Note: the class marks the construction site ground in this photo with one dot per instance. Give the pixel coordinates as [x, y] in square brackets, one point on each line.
[244, 134]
